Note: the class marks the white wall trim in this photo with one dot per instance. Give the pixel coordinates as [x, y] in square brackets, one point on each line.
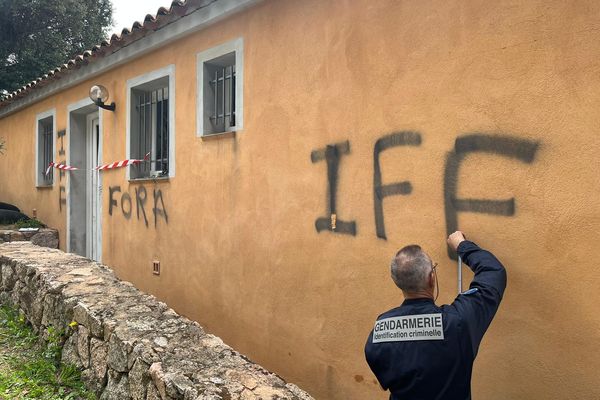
[197, 20]
[79, 104]
[169, 71]
[90, 190]
[100, 185]
[70, 108]
[237, 46]
[38, 117]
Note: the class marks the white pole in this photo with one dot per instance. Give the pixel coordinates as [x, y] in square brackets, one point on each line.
[459, 275]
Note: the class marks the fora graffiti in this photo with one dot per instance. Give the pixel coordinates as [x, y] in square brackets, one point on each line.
[500, 145]
[125, 203]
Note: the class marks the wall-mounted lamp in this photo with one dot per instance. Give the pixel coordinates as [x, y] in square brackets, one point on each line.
[99, 94]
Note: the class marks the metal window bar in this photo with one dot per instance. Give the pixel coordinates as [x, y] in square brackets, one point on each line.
[223, 87]
[153, 112]
[164, 141]
[47, 152]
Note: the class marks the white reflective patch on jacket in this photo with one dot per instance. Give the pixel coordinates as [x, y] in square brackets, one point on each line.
[409, 327]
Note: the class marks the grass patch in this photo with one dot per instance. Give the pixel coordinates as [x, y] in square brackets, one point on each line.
[30, 370]
[29, 223]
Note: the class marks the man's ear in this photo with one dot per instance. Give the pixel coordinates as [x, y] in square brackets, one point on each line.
[432, 279]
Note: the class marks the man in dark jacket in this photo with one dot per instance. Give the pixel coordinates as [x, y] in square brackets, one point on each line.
[420, 351]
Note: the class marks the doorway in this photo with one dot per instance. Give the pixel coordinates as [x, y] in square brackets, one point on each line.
[94, 188]
[84, 195]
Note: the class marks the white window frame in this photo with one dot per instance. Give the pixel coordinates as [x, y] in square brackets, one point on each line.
[168, 71]
[237, 46]
[46, 114]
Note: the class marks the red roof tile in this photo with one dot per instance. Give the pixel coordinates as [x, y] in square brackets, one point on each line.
[151, 23]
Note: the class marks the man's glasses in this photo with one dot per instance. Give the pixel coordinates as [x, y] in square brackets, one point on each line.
[437, 285]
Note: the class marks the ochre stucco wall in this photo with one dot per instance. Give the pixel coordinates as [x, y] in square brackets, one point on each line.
[240, 252]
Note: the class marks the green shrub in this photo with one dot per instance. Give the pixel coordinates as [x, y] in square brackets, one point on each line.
[29, 223]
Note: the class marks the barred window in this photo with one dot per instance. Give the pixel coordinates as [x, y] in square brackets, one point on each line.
[220, 89]
[151, 125]
[45, 150]
[220, 105]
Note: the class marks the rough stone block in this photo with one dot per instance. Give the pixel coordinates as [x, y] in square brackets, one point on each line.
[158, 378]
[190, 394]
[80, 314]
[92, 383]
[49, 310]
[69, 352]
[84, 316]
[138, 380]
[8, 277]
[176, 385]
[37, 311]
[5, 297]
[117, 387]
[83, 345]
[46, 238]
[98, 358]
[16, 293]
[145, 352]
[16, 236]
[152, 392]
[118, 353]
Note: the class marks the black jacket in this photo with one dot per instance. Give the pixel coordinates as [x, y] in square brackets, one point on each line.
[420, 351]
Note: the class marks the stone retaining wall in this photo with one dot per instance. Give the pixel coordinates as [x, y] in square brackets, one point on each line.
[128, 344]
[43, 237]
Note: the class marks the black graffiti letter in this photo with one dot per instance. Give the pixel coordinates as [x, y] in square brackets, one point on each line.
[519, 149]
[159, 211]
[62, 200]
[380, 191]
[61, 135]
[61, 197]
[332, 154]
[126, 198]
[112, 202]
[139, 203]
[61, 172]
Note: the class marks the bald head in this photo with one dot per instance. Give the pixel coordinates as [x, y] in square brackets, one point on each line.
[410, 269]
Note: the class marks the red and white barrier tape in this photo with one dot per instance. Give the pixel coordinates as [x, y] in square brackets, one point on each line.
[123, 163]
[59, 166]
[118, 164]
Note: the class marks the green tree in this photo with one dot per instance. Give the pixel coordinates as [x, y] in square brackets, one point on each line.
[39, 35]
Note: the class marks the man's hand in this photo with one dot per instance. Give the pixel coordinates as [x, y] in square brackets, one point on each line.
[455, 239]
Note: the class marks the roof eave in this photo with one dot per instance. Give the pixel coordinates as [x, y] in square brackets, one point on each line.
[136, 43]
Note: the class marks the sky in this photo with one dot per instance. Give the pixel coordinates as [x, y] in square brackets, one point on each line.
[126, 12]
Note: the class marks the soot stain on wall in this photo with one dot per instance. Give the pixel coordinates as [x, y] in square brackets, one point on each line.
[332, 154]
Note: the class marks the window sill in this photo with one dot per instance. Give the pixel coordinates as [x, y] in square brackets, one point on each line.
[50, 186]
[219, 135]
[155, 179]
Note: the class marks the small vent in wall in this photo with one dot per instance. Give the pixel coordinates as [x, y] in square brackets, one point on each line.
[156, 267]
